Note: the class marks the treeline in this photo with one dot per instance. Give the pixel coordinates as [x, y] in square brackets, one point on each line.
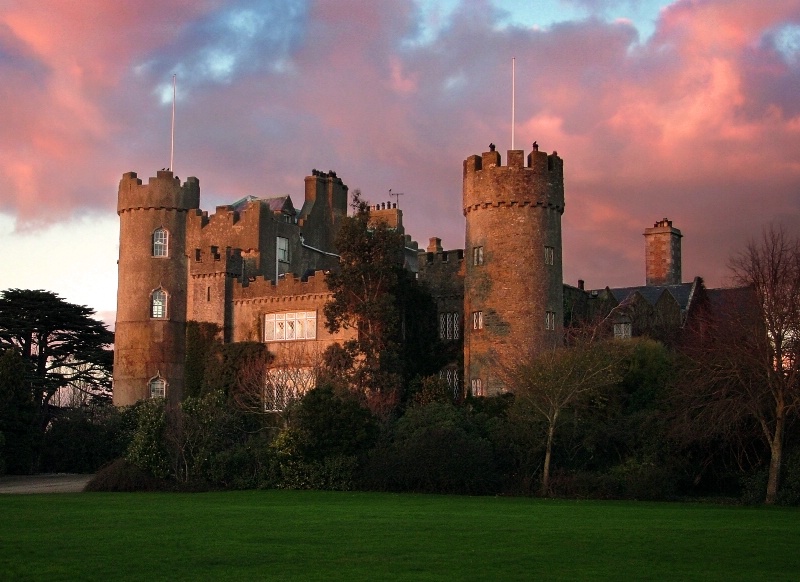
[627, 440]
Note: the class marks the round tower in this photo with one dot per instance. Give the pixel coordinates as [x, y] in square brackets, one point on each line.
[150, 344]
[513, 286]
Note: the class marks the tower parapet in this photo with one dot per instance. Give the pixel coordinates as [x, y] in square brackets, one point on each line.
[513, 286]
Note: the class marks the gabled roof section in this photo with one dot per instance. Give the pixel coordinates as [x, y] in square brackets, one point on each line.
[281, 204]
[682, 293]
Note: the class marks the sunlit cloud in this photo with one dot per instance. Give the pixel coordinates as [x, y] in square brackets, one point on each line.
[686, 109]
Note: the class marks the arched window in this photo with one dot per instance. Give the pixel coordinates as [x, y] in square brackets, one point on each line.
[160, 242]
[158, 304]
[158, 387]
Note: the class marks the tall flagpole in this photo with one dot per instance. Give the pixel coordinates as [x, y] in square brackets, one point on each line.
[172, 138]
[513, 104]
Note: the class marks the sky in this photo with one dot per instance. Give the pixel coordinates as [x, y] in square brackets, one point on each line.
[686, 110]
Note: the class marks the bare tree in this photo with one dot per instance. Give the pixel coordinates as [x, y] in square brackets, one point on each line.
[556, 379]
[268, 383]
[744, 349]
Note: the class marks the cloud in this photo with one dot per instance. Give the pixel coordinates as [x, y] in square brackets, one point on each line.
[699, 122]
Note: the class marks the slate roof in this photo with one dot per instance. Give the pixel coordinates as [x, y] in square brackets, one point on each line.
[275, 204]
[681, 292]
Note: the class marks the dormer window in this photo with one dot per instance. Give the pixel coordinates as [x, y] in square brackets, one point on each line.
[160, 242]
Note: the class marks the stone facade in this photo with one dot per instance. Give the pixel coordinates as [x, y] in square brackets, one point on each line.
[513, 285]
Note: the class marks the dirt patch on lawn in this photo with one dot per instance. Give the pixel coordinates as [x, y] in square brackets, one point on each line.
[50, 483]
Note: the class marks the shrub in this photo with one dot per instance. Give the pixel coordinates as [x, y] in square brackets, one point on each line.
[122, 475]
[148, 449]
[436, 449]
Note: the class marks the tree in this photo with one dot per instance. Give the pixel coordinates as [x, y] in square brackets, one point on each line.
[550, 382]
[17, 414]
[744, 350]
[62, 346]
[375, 295]
[61, 343]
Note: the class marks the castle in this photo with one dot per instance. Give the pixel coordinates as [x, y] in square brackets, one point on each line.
[256, 269]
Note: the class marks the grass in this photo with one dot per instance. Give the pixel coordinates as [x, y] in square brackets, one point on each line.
[301, 535]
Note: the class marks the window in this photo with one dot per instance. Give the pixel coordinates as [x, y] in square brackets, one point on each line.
[477, 320]
[449, 326]
[290, 326]
[550, 320]
[549, 255]
[450, 375]
[285, 385]
[622, 331]
[283, 249]
[158, 304]
[160, 242]
[477, 387]
[477, 255]
[157, 387]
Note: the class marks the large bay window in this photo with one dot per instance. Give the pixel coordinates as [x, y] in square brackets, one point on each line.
[290, 326]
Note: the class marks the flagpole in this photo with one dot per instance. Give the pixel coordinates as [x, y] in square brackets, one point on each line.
[513, 96]
[172, 136]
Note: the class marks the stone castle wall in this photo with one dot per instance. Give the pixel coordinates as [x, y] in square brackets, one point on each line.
[513, 213]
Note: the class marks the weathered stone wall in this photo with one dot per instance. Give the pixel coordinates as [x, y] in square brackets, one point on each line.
[512, 212]
[261, 297]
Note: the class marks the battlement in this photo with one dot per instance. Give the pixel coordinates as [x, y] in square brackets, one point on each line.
[164, 191]
[227, 225]
[533, 181]
[540, 162]
[213, 260]
[288, 288]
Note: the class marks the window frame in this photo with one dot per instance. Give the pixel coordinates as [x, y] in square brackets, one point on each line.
[449, 326]
[549, 255]
[550, 320]
[623, 330]
[157, 380]
[477, 255]
[282, 251]
[477, 320]
[476, 387]
[159, 243]
[158, 305]
[288, 326]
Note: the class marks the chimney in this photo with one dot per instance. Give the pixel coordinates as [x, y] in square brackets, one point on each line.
[435, 245]
[662, 254]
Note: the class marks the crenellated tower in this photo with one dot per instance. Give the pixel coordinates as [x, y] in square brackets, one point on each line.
[150, 345]
[513, 287]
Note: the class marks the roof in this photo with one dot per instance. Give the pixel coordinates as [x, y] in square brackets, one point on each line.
[275, 204]
[682, 293]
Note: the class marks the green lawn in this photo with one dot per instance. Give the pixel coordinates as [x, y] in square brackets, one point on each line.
[298, 535]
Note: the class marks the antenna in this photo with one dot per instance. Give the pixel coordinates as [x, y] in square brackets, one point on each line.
[396, 195]
[513, 104]
[172, 137]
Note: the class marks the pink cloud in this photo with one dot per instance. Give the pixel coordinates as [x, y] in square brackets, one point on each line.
[699, 124]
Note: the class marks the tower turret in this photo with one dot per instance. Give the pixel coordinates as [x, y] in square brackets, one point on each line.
[150, 345]
[513, 288]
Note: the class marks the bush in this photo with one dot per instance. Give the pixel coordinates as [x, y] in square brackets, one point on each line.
[436, 449]
[148, 449]
[122, 475]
